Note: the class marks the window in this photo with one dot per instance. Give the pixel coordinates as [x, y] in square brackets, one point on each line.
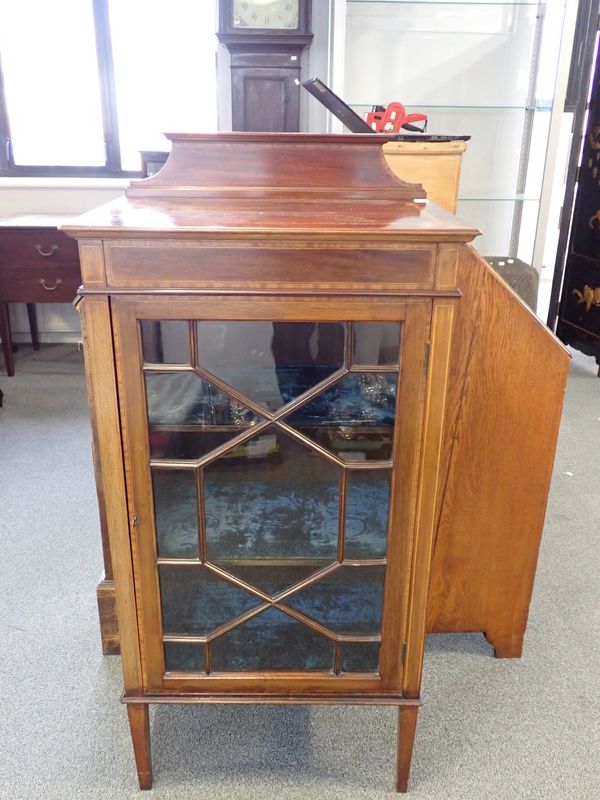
[86, 84]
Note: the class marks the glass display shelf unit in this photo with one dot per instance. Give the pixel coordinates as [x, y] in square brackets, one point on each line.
[472, 67]
[271, 459]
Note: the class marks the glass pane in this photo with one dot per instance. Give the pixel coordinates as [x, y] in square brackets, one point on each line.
[376, 342]
[273, 515]
[153, 94]
[360, 657]
[271, 362]
[354, 417]
[477, 53]
[271, 641]
[367, 509]
[347, 601]
[51, 83]
[495, 219]
[176, 513]
[273, 575]
[189, 417]
[184, 657]
[165, 341]
[196, 601]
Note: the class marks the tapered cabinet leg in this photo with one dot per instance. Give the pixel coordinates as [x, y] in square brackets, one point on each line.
[407, 725]
[33, 326]
[139, 722]
[6, 339]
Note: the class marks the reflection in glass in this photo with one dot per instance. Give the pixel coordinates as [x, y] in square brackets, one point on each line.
[165, 341]
[184, 657]
[360, 656]
[271, 641]
[271, 362]
[281, 503]
[347, 601]
[354, 417]
[376, 343]
[367, 509]
[196, 601]
[189, 417]
[175, 513]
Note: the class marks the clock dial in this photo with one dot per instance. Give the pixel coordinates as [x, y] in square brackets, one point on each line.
[272, 14]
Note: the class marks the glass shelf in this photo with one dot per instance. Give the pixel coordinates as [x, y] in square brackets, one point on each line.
[417, 106]
[516, 198]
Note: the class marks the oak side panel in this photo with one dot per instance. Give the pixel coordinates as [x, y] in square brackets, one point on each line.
[102, 394]
[508, 375]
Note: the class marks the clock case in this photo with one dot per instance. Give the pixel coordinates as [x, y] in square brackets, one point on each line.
[265, 71]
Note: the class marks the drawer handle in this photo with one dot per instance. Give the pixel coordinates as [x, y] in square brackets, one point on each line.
[46, 253]
[51, 288]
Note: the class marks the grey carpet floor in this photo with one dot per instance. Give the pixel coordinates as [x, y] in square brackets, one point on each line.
[528, 728]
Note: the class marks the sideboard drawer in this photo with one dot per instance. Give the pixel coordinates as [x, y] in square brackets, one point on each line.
[38, 266]
[37, 248]
[46, 283]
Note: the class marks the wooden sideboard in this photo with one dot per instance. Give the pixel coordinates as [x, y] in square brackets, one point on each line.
[38, 264]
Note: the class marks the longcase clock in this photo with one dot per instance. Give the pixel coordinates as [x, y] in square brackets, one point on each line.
[266, 39]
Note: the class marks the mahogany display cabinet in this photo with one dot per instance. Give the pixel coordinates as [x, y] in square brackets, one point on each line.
[268, 329]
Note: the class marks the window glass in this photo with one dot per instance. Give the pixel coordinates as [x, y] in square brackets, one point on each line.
[165, 71]
[51, 83]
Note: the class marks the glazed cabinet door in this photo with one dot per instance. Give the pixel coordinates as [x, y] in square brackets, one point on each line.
[271, 451]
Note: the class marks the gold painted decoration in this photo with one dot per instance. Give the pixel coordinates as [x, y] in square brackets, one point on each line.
[589, 296]
[594, 219]
[594, 158]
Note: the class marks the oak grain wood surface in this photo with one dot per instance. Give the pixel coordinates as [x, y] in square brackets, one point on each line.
[436, 165]
[508, 377]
